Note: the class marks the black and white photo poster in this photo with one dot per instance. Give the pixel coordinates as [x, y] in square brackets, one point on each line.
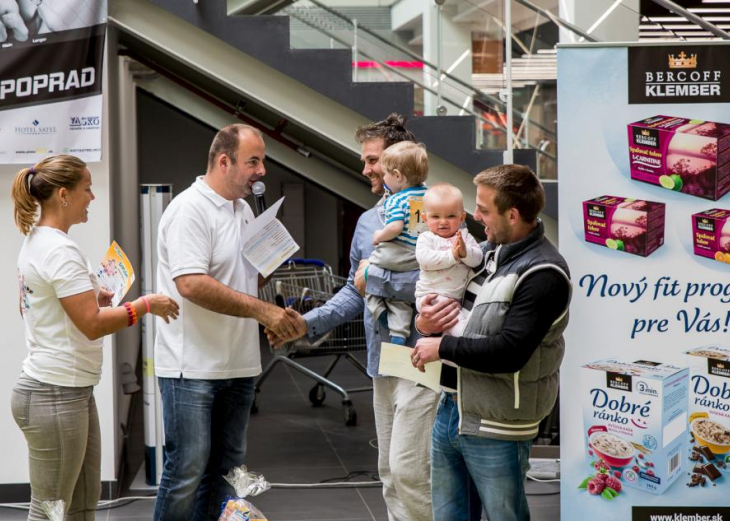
[51, 59]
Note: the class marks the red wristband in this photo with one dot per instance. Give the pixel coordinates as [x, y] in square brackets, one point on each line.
[130, 314]
[146, 303]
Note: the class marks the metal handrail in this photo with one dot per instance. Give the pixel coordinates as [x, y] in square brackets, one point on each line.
[412, 80]
[557, 20]
[477, 94]
[691, 17]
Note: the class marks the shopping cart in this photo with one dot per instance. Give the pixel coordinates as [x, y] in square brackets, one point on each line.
[305, 284]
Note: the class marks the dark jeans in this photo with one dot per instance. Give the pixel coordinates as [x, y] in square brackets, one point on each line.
[467, 469]
[205, 436]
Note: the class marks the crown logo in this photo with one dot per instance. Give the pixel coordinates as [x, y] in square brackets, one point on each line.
[704, 221]
[721, 366]
[645, 133]
[682, 61]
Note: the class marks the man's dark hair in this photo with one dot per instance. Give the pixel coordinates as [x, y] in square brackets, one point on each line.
[391, 130]
[516, 186]
[226, 142]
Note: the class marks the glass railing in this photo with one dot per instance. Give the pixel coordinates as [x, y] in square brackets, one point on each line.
[464, 73]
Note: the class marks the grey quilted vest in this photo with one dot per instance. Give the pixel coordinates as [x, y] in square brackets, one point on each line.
[511, 406]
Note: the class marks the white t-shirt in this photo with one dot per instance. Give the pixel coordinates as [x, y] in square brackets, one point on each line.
[50, 267]
[200, 232]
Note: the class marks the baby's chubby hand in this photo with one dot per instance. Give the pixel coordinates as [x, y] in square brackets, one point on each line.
[459, 246]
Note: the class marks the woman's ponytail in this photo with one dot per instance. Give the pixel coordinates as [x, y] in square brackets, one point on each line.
[26, 206]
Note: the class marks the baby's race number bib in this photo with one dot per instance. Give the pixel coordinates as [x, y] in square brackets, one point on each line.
[416, 222]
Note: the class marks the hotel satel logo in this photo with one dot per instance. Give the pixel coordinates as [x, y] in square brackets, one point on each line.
[679, 74]
[35, 128]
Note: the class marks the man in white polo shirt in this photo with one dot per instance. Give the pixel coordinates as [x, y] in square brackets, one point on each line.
[206, 364]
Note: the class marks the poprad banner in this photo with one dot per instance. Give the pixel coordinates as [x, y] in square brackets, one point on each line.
[51, 69]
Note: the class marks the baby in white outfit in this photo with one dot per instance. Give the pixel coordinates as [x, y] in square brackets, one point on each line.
[446, 254]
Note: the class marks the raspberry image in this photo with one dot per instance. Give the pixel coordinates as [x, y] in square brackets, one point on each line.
[641, 456]
[600, 476]
[617, 474]
[595, 487]
[635, 468]
[590, 453]
[601, 466]
[613, 483]
[650, 472]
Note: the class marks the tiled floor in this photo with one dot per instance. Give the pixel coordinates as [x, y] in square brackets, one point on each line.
[291, 442]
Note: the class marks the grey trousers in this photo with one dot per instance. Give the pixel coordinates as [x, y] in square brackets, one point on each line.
[61, 426]
[404, 416]
[394, 257]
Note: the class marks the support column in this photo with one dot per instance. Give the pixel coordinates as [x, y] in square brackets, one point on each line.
[456, 47]
[620, 25]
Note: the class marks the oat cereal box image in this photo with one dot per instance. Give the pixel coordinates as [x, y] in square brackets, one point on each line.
[691, 156]
[711, 234]
[708, 453]
[623, 224]
[635, 424]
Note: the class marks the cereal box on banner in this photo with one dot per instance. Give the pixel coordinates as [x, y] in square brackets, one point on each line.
[635, 421]
[709, 415]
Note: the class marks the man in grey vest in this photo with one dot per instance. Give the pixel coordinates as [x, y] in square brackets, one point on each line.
[501, 378]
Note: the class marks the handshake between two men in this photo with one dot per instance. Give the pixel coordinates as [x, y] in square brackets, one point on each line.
[287, 324]
[283, 325]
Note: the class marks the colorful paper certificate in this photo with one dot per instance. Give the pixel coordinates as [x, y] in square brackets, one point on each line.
[115, 273]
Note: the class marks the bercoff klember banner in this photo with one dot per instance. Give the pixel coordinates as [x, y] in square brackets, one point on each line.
[51, 56]
[644, 164]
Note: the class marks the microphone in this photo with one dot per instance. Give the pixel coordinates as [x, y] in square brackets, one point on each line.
[258, 189]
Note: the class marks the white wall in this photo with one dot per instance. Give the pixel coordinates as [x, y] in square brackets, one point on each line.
[94, 239]
[455, 40]
[622, 25]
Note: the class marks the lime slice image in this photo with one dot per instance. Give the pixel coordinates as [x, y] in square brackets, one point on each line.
[615, 244]
[629, 200]
[696, 121]
[678, 184]
[667, 182]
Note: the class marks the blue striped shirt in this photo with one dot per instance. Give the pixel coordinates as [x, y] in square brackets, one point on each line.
[398, 208]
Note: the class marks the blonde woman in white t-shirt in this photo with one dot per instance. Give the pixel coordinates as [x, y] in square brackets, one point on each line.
[66, 315]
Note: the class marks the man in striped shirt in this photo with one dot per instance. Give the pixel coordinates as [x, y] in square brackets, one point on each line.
[405, 167]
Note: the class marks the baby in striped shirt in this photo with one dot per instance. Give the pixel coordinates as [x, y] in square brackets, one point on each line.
[405, 167]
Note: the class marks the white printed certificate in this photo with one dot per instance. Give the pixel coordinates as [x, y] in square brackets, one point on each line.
[395, 360]
[266, 243]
